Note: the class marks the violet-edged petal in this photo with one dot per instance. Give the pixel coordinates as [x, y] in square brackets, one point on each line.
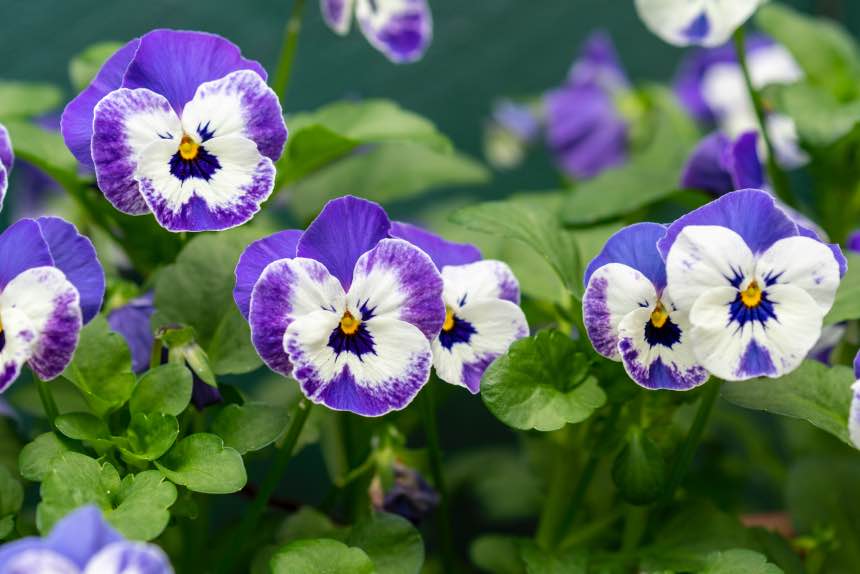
[19, 336]
[125, 123]
[441, 251]
[337, 14]
[81, 534]
[802, 262]
[132, 322]
[614, 290]
[399, 281]
[659, 357]
[488, 279]
[286, 290]
[4, 184]
[75, 255]
[255, 258]
[750, 213]
[7, 155]
[52, 306]
[221, 187]
[129, 558]
[22, 247]
[771, 339]
[173, 63]
[478, 333]
[400, 29]
[239, 104]
[695, 22]
[636, 247]
[345, 229]
[76, 124]
[38, 560]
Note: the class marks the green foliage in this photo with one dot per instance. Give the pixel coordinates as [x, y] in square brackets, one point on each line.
[24, 100]
[84, 67]
[392, 543]
[541, 383]
[39, 457]
[251, 426]
[164, 389]
[322, 556]
[640, 471]
[150, 435]
[509, 555]
[738, 560]
[11, 500]
[201, 462]
[847, 303]
[820, 118]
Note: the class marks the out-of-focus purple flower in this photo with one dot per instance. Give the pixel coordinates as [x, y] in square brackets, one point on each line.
[82, 543]
[584, 128]
[719, 165]
[830, 337]
[512, 127]
[7, 158]
[204, 394]
[853, 243]
[33, 187]
[132, 322]
[410, 496]
[695, 22]
[401, 29]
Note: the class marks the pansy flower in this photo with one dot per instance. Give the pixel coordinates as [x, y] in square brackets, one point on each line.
[719, 165]
[400, 29]
[82, 543]
[482, 313]
[7, 157]
[630, 314]
[180, 124]
[343, 308]
[755, 284]
[695, 22]
[51, 283]
[854, 412]
[584, 128]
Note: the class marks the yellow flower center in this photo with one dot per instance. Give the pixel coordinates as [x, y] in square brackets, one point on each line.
[751, 296]
[449, 320]
[349, 324]
[188, 148]
[659, 315]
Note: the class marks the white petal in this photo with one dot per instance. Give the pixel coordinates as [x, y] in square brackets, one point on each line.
[488, 279]
[854, 415]
[129, 558]
[802, 262]
[40, 561]
[337, 14]
[699, 22]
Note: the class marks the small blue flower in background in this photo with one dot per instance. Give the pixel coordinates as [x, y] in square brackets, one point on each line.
[584, 128]
[512, 127]
[482, 313]
[51, 284]
[401, 29]
[180, 124]
[630, 315]
[756, 285]
[410, 496]
[343, 308]
[7, 158]
[82, 543]
[695, 22]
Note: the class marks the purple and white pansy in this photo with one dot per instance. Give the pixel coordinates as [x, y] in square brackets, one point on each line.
[7, 157]
[630, 315]
[482, 313]
[854, 411]
[755, 284]
[344, 308]
[695, 22]
[180, 124]
[51, 284]
[82, 543]
[401, 29]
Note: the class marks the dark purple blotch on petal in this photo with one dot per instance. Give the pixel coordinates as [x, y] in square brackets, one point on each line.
[756, 361]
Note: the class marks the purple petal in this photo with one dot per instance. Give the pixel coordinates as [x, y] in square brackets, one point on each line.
[173, 63]
[204, 394]
[76, 124]
[4, 183]
[750, 213]
[130, 557]
[11, 551]
[22, 247]
[400, 29]
[344, 230]
[705, 169]
[82, 534]
[834, 247]
[255, 258]
[75, 255]
[857, 365]
[132, 322]
[853, 243]
[7, 155]
[636, 247]
[598, 64]
[518, 119]
[441, 251]
[743, 163]
[337, 14]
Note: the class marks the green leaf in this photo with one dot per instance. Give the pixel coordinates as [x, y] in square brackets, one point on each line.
[391, 542]
[307, 522]
[44, 149]
[738, 560]
[83, 426]
[84, 67]
[164, 389]
[498, 554]
[385, 173]
[24, 100]
[649, 176]
[142, 505]
[202, 463]
[541, 383]
[150, 435]
[539, 561]
[847, 303]
[814, 392]
[321, 556]
[101, 367]
[640, 470]
[11, 493]
[181, 297]
[825, 51]
[73, 481]
[820, 119]
[251, 426]
[534, 222]
[39, 457]
[7, 525]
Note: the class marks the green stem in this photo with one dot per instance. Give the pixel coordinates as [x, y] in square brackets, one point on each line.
[155, 355]
[777, 177]
[578, 537]
[284, 69]
[428, 413]
[694, 437]
[251, 518]
[48, 402]
[554, 509]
